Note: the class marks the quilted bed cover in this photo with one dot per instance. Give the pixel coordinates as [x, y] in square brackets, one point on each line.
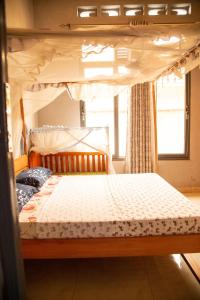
[123, 205]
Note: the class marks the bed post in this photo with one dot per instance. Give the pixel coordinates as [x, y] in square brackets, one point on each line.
[35, 160]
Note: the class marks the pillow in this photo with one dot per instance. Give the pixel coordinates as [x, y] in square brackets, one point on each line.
[24, 193]
[34, 176]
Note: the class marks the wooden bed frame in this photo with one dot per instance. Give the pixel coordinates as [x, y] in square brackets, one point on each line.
[73, 162]
[106, 247]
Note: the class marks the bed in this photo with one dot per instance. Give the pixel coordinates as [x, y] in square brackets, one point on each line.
[133, 221]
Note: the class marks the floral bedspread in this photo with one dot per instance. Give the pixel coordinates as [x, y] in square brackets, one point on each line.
[108, 206]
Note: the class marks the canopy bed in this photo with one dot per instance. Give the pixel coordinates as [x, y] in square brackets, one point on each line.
[183, 237]
[119, 55]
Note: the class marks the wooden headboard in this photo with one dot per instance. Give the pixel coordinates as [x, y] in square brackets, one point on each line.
[20, 164]
[71, 162]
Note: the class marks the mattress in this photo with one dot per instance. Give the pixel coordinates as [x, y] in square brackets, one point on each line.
[123, 205]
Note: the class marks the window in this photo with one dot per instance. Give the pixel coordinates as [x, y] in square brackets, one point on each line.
[173, 106]
[111, 112]
[133, 10]
[87, 11]
[157, 9]
[181, 9]
[110, 10]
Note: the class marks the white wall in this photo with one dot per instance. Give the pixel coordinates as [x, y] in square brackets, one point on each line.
[62, 111]
[65, 12]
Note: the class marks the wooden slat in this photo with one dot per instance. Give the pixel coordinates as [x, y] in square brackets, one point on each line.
[82, 162]
[51, 162]
[56, 163]
[88, 163]
[77, 163]
[93, 163]
[72, 162]
[67, 162]
[42, 162]
[46, 161]
[103, 163]
[99, 162]
[62, 165]
[110, 247]
[106, 157]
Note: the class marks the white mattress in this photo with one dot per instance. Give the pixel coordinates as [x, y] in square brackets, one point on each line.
[111, 206]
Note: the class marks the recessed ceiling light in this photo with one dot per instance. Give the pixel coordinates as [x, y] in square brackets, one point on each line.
[166, 41]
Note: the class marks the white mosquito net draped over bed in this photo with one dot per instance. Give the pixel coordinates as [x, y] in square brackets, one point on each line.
[94, 63]
[54, 139]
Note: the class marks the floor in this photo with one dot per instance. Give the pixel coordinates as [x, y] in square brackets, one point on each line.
[194, 259]
[166, 277]
[149, 278]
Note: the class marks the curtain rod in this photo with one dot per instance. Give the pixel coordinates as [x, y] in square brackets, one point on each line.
[72, 30]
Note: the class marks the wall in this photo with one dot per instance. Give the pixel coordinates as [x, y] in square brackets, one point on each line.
[65, 12]
[186, 173]
[62, 111]
[19, 13]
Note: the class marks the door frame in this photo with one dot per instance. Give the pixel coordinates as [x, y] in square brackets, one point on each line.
[11, 261]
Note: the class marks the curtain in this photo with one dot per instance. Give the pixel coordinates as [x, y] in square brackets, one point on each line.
[141, 154]
[15, 96]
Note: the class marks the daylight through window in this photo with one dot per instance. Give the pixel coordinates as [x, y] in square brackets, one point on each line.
[173, 117]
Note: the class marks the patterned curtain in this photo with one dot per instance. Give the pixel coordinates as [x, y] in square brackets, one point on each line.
[141, 154]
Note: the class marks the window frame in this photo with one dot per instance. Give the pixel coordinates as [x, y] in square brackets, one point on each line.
[116, 156]
[186, 154]
[83, 116]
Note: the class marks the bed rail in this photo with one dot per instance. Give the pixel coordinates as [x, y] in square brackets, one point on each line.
[71, 162]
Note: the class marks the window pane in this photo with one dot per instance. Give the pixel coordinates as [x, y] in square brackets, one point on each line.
[171, 115]
[171, 132]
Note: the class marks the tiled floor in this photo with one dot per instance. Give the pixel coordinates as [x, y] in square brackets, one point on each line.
[194, 259]
[164, 277]
[137, 278]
